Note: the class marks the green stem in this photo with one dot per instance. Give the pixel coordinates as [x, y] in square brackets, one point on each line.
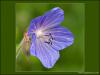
[19, 48]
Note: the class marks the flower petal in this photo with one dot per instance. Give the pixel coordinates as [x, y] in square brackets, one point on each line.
[53, 18]
[62, 37]
[35, 24]
[46, 54]
[50, 19]
[33, 45]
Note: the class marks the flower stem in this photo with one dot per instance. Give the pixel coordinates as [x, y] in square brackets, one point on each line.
[18, 50]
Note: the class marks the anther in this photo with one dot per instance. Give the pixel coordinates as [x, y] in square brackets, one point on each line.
[50, 38]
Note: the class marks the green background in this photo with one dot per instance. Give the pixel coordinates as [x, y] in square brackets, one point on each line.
[74, 21]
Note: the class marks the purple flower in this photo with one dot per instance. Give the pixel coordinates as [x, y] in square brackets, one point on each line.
[48, 37]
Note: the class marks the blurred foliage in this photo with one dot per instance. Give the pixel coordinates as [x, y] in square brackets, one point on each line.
[71, 58]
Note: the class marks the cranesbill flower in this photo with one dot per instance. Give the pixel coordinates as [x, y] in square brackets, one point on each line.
[48, 37]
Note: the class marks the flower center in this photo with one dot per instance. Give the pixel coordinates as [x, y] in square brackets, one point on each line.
[46, 38]
[39, 33]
